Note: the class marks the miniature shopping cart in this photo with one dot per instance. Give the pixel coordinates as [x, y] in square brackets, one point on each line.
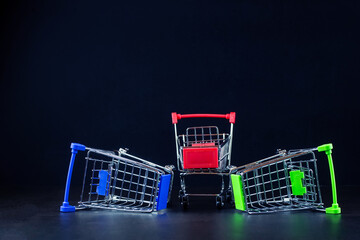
[283, 182]
[203, 150]
[119, 181]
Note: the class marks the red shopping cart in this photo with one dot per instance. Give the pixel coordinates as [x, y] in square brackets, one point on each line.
[203, 150]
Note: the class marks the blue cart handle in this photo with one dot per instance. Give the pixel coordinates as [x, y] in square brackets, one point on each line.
[66, 207]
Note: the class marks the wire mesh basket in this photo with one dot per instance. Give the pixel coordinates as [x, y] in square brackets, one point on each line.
[204, 148]
[120, 181]
[283, 182]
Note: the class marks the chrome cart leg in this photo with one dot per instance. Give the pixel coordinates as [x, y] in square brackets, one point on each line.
[183, 197]
[171, 168]
[220, 201]
[229, 194]
[220, 198]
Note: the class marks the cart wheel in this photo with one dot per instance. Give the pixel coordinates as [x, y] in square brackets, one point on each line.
[220, 202]
[184, 202]
[181, 194]
[185, 205]
[229, 196]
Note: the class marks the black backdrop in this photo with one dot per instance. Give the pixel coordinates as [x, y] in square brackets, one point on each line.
[108, 74]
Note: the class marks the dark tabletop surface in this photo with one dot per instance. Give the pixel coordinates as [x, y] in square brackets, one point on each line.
[27, 214]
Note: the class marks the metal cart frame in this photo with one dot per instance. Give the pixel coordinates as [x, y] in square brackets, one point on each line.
[283, 182]
[211, 144]
[119, 181]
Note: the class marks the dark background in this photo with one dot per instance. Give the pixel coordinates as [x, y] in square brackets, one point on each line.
[108, 75]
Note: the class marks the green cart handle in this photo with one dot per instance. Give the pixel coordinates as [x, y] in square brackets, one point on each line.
[327, 148]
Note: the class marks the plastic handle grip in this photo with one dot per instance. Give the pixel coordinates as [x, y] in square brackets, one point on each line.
[327, 148]
[66, 207]
[175, 116]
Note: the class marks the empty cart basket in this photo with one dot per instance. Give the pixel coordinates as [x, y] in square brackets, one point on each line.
[283, 182]
[203, 150]
[119, 181]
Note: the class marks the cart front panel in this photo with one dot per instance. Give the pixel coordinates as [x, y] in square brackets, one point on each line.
[200, 157]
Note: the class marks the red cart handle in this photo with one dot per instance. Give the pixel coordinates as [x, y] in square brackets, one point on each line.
[175, 116]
